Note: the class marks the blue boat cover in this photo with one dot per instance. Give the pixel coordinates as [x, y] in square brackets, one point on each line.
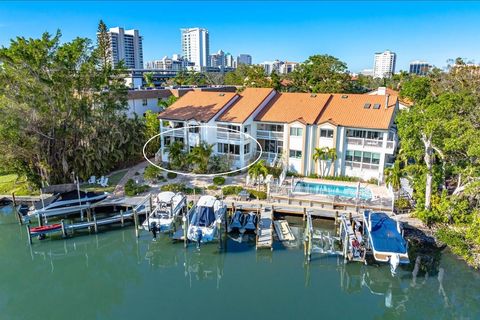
[203, 216]
[384, 234]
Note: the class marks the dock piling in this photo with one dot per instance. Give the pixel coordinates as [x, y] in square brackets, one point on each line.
[64, 231]
[150, 211]
[135, 220]
[121, 218]
[95, 222]
[89, 218]
[29, 235]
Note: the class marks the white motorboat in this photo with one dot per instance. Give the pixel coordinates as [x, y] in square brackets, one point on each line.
[206, 218]
[67, 202]
[167, 207]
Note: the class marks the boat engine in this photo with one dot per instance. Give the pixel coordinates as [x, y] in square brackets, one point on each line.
[199, 237]
[394, 262]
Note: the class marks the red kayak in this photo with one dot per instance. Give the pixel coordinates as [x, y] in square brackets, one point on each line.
[46, 228]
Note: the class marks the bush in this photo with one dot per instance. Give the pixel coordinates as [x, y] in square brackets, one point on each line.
[132, 189]
[212, 187]
[219, 181]
[372, 181]
[174, 187]
[152, 172]
[191, 190]
[274, 171]
[341, 178]
[402, 204]
[171, 175]
[255, 194]
[231, 190]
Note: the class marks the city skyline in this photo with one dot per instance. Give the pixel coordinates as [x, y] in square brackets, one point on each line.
[319, 28]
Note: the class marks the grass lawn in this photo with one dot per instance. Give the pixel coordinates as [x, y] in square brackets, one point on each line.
[113, 180]
[10, 183]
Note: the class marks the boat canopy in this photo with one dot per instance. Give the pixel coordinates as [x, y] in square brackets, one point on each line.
[203, 216]
[384, 233]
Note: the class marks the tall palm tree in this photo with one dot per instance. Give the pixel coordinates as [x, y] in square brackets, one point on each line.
[200, 156]
[332, 156]
[393, 176]
[320, 155]
[258, 170]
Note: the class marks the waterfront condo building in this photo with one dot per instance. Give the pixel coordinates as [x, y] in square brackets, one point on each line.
[358, 128]
[384, 64]
[126, 45]
[196, 47]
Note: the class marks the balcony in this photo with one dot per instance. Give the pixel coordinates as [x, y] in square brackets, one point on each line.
[177, 132]
[363, 166]
[365, 142]
[235, 136]
[270, 135]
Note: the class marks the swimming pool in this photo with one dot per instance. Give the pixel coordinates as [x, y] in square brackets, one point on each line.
[332, 190]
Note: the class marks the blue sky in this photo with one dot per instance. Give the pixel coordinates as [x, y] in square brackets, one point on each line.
[351, 31]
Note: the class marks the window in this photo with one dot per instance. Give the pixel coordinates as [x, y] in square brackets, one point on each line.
[296, 154]
[228, 148]
[144, 102]
[326, 133]
[349, 156]
[246, 148]
[297, 132]
[167, 140]
[363, 157]
[193, 129]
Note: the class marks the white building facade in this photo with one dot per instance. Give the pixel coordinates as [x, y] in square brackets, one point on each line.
[290, 127]
[384, 64]
[196, 47]
[127, 46]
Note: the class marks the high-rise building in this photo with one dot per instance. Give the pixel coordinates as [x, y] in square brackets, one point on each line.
[196, 46]
[217, 60]
[384, 64]
[126, 45]
[230, 61]
[176, 63]
[244, 59]
[420, 68]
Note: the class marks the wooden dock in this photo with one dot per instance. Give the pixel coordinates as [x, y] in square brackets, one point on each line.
[265, 229]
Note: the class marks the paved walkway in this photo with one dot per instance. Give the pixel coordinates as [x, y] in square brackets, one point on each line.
[120, 188]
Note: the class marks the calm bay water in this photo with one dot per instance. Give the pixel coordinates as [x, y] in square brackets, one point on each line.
[113, 275]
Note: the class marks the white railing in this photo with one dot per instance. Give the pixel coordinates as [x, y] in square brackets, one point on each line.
[365, 142]
[177, 132]
[265, 134]
[360, 165]
[228, 136]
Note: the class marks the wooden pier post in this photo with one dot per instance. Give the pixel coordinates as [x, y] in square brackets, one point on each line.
[95, 222]
[64, 231]
[29, 235]
[121, 218]
[135, 220]
[150, 212]
[304, 214]
[15, 211]
[40, 221]
[185, 226]
[89, 218]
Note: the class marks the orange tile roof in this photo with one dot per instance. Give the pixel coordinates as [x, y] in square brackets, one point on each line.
[249, 100]
[348, 110]
[289, 107]
[198, 105]
[395, 93]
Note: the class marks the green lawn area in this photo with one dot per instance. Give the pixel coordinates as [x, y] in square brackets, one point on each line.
[10, 183]
[113, 180]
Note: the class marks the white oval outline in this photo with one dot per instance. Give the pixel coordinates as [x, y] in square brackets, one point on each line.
[202, 174]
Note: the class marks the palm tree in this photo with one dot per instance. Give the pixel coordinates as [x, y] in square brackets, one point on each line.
[332, 156]
[200, 156]
[393, 176]
[320, 155]
[167, 103]
[258, 170]
[176, 154]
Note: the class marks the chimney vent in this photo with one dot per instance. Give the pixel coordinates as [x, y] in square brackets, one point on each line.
[386, 100]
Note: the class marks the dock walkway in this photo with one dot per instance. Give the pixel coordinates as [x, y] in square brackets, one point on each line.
[265, 229]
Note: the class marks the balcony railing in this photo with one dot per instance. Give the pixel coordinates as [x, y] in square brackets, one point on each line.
[271, 135]
[390, 144]
[177, 132]
[365, 142]
[359, 165]
[228, 136]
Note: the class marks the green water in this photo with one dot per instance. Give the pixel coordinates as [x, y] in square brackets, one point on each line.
[113, 275]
